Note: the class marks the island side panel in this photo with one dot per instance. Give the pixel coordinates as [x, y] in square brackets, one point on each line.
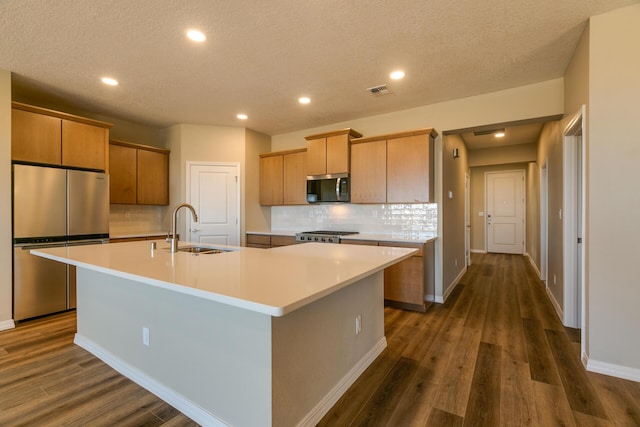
[211, 355]
[316, 347]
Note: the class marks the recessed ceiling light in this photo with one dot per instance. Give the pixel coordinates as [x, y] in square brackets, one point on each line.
[397, 75]
[499, 134]
[304, 100]
[242, 116]
[109, 81]
[196, 35]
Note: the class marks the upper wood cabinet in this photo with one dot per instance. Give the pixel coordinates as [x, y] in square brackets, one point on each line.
[271, 189]
[369, 172]
[139, 174]
[283, 178]
[328, 153]
[410, 169]
[394, 168]
[294, 178]
[39, 135]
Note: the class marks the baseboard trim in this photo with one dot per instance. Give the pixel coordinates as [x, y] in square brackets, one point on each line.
[555, 304]
[190, 409]
[321, 409]
[452, 286]
[533, 264]
[7, 324]
[478, 251]
[613, 370]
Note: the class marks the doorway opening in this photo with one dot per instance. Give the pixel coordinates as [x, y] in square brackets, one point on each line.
[573, 221]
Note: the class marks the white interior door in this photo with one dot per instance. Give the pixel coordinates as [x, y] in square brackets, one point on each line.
[214, 191]
[505, 212]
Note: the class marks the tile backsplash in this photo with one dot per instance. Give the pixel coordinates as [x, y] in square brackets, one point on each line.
[382, 218]
[134, 219]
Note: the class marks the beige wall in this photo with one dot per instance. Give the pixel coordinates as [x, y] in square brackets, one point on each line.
[525, 102]
[6, 298]
[510, 154]
[257, 218]
[533, 213]
[478, 241]
[550, 157]
[216, 144]
[453, 226]
[614, 154]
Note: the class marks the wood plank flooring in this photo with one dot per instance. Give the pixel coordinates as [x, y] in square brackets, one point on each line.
[494, 355]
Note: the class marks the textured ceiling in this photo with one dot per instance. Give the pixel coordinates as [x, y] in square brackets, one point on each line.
[261, 56]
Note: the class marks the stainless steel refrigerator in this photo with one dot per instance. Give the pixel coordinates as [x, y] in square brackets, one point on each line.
[53, 207]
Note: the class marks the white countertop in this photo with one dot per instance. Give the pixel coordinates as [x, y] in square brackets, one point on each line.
[400, 237]
[271, 281]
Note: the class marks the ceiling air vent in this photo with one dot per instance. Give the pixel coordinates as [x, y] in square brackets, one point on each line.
[379, 90]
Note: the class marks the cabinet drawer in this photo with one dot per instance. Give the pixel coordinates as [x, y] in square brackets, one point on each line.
[282, 241]
[259, 239]
[359, 242]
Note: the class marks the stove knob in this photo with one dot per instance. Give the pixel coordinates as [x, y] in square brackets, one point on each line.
[323, 239]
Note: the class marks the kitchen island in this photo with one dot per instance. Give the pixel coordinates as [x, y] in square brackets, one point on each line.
[248, 337]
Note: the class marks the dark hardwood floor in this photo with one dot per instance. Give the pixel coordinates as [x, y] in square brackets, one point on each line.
[494, 355]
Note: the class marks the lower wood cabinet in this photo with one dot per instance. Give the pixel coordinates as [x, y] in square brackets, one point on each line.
[407, 282]
[266, 241]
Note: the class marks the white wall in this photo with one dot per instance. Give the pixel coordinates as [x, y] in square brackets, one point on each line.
[526, 102]
[613, 233]
[6, 293]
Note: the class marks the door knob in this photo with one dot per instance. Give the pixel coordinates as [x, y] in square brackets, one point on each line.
[195, 230]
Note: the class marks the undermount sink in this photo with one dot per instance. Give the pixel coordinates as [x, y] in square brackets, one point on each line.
[201, 250]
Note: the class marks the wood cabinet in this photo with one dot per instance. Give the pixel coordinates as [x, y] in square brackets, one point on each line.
[294, 178]
[328, 153]
[369, 172]
[394, 168]
[407, 282]
[283, 178]
[139, 174]
[43, 136]
[266, 241]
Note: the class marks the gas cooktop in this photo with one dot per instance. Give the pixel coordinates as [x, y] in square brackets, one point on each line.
[323, 236]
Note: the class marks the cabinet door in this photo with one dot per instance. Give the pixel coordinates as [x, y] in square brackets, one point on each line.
[295, 178]
[122, 174]
[317, 156]
[84, 145]
[153, 178]
[405, 282]
[271, 183]
[338, 154]
[35, 137]
[369, 172]
[409, 175]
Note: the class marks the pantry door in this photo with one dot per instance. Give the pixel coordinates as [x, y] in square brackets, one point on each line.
[505, 211]
[214, 191]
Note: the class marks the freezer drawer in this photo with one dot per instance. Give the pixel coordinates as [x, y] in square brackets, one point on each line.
[39, 285]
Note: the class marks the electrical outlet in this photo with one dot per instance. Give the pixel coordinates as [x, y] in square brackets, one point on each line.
[145, 336]
[455, 263]
[554, 279]
[358, 323]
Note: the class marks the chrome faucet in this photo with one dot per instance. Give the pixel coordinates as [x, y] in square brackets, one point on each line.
[173, 238]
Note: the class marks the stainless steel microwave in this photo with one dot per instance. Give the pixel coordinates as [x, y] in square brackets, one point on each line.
[328, 188]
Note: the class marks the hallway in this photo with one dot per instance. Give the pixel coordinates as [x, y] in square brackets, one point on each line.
[495, 354]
